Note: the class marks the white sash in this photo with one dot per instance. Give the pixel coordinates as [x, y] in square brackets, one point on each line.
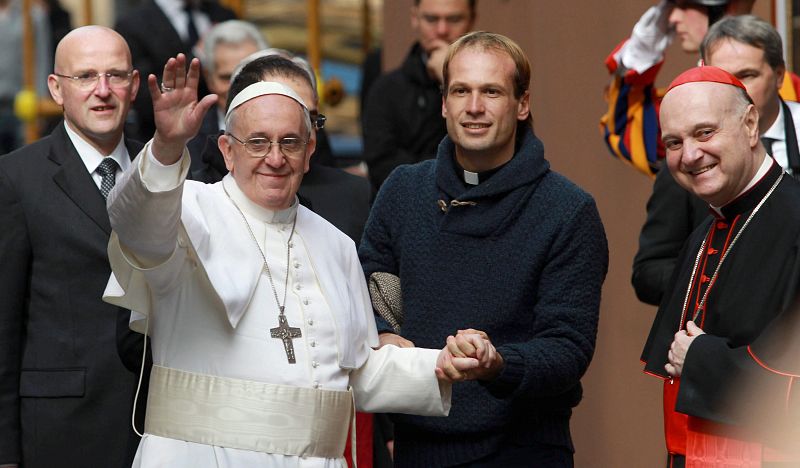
[248, 415]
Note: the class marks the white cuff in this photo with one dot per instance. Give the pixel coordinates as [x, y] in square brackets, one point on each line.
[650, 38]
[160, 178]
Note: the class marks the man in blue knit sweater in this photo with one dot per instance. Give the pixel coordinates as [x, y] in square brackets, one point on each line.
[487, 236]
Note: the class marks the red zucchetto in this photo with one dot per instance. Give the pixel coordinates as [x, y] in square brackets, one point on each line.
[709, 74]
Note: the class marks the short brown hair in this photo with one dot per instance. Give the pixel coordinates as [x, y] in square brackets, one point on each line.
[485, 40]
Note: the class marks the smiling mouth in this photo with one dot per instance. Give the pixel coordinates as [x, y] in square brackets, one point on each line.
[702, 169]
[102, 108]
[475, 126]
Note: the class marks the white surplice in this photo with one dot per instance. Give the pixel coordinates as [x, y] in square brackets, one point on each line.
[183, 258]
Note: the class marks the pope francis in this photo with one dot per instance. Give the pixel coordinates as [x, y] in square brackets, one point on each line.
[261, 325]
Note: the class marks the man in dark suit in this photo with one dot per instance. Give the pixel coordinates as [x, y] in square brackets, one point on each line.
[158, 30]
[65, 392]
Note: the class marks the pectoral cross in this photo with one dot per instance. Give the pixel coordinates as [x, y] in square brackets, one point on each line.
[286, 333]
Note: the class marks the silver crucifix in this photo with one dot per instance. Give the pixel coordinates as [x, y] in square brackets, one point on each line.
[286, 333]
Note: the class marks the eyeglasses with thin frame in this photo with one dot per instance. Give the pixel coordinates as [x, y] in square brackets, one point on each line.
[260, 147]
[89, 80]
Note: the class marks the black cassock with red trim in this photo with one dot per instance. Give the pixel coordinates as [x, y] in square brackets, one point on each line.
[746, 370]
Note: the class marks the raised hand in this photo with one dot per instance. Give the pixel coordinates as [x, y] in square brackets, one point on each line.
[178, 114]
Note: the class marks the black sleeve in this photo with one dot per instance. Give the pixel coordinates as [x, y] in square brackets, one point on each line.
[672, 215]
[383, 145]
[15, 269]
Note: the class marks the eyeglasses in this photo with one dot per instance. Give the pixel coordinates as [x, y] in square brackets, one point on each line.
[260, 147]
[318, 120]
[88, 80]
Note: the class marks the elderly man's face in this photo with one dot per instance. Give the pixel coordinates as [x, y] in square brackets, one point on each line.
[480, 109]
[440, 20]
[272, 181]
[690, 22]
[748, 64]
[96, 112]
[710, 140]
[226, 57]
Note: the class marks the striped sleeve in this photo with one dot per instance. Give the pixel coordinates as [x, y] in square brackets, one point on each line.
[630, 126]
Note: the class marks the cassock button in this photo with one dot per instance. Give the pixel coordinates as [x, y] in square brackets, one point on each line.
[316, 384]
[298, 286]
[297, 264]
[712, 251]
[310, 322]
[722, 225]
[313, 343]
[704, 279]
[306, 301]
[314, 364]
[291, 245]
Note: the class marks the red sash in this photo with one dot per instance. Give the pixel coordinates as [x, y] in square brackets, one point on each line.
[705, 444]
[675, 424]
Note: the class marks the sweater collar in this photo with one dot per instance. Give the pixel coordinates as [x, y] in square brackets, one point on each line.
[489, 208]
[527, 165]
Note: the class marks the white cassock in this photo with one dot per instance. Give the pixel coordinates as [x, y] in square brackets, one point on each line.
[224, 391]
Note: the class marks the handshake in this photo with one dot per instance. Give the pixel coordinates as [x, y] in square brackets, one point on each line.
[469, 355]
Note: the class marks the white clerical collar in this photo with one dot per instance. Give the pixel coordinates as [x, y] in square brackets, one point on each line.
[760, 173]
[255, 210]
[92, 158]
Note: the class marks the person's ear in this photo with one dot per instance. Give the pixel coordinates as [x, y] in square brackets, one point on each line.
[224, 144]
[134, 85]
[55, 89]
[524, 107]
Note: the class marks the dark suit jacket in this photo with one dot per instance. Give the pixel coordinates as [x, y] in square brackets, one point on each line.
[65, 394]
[152, 41]
[205, 142]
[672, 214]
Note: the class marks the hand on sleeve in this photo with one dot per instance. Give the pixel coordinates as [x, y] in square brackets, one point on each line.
[393, 339]
[680, 347]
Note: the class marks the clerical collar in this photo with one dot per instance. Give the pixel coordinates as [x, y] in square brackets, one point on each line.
[257, 211]
[475, 178]
[759, 185]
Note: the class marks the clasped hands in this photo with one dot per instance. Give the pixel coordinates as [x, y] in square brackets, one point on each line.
[469, 355]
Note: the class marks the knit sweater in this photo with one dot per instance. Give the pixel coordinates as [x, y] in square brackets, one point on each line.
[523, 258]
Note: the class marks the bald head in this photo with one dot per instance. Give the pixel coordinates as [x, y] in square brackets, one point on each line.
[95, 84]
[86, 38]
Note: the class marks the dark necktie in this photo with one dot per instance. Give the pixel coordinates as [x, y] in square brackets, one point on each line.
[193, 36]
[767, 142]
[107, 169]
